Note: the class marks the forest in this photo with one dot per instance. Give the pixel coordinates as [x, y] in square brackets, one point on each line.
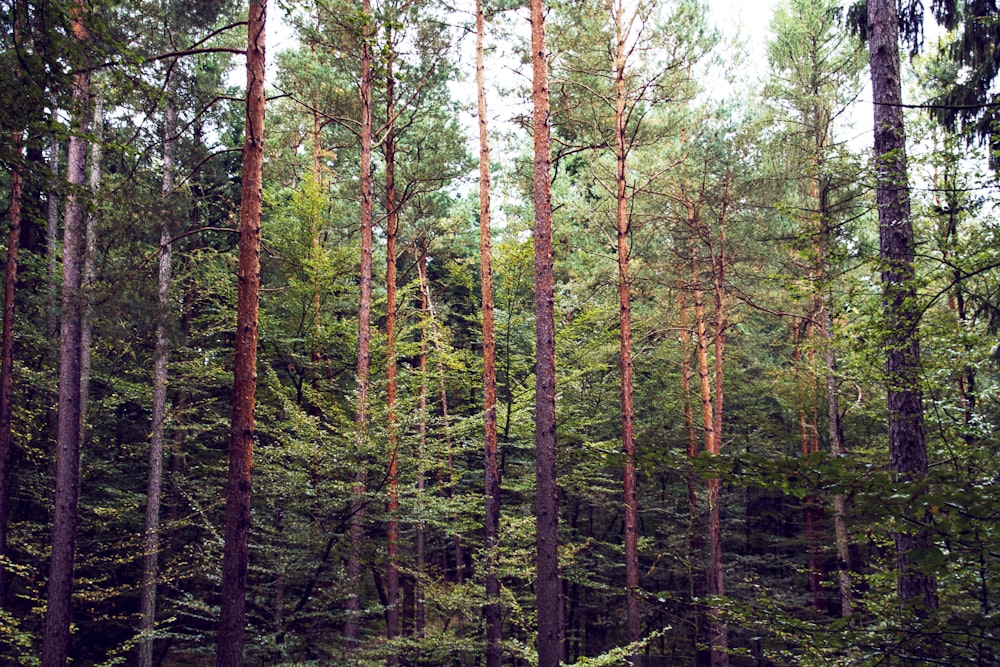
[499, 332]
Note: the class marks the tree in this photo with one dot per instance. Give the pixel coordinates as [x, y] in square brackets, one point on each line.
[907, 439]
[351, 627]
[232, 620]
[7, 342]
[491, 522]
[815, 69]
[7, 361]
[548, 587]
[58, 613]
[151, 532]
[966, 98]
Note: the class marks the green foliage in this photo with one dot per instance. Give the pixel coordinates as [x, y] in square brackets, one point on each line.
[750, 169]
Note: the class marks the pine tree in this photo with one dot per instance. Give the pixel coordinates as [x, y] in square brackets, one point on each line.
[232, 620]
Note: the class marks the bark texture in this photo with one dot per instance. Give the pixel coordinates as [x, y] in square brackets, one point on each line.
[7, 360]
[58, 615]
[718, 640]
[232, 620]
[89, 277]
[548, 586]
[623, 228]
[154, 483]
[907, 440]
[418, 588]
[391, 233]
[491, 521]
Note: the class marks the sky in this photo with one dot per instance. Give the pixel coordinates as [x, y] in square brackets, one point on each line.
[746, 22]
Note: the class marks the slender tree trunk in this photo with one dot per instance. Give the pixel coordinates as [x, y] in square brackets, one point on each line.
[716, 584]
[392, 228]
[718, 635]
[838, 449]
[89, 265]
[548, 586]
[151, 533]
[52, 239]
[803, 337]
[352, 625]
[7, 361]
[633, 621]
[457, 550]
[418, 592]
[696, 544]
[907, 440]
[232, 620]
[314, 227]
[58, 615]
[491, 522]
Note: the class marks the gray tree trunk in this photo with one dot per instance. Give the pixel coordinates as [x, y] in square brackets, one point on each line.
[151, 533]
[907, 440]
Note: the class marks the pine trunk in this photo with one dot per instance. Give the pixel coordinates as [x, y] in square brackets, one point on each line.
[907, 440]
[696, 544]
[838, 449]
[52, 239]
[90, 265]
[418, 593]
[58, 615]
[632, 619]
[548, 587]
[392, 227]
[232, 620]
[151, 533]
[7, 361]
[718, 636]
[491, 521]
[352, 624]
[716, 583]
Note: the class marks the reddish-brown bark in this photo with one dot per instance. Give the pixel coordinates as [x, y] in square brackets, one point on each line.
[491, 522]
[548, 587]
[7, 358]
[718, 635]
[696, 544]
[391, 229]
[418, 592]
[232, 618]
[58, 615]
[623, 228]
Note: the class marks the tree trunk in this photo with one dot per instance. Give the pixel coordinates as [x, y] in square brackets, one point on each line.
[418, 592]
[907, 445]
[548, 587]
[391, 229]
[58, 615]
[7, 361]
[352, 625]
[232, 620]
[89, 264]
[52, 239]
[491, 522]
[838, 449]
[696, 544]
[632, 621]
[151, 532]
[716, 583]
[718, 635]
